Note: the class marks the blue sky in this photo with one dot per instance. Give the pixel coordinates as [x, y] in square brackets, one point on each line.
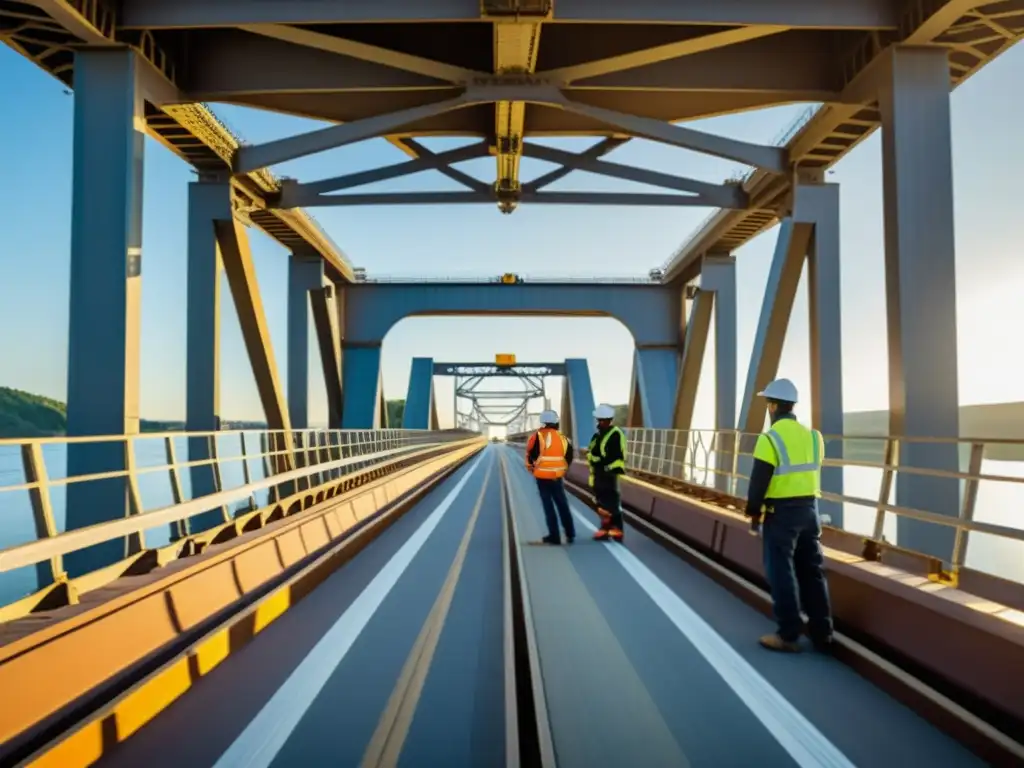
[36, 213]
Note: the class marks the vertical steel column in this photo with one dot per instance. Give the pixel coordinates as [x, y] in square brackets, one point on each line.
[655, 376]
[779, 294]
[693, 358]
[304, 275]
[718, 274]
[810, 232]
[920, 272]
[325, 323]
[581, 400]
[208, 201]
[818, 204]
[361, 385]
[106, 284]
[419, 399]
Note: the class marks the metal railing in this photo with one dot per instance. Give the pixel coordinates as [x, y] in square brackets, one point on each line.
[251, 469]
[486, 280]
[716, 459]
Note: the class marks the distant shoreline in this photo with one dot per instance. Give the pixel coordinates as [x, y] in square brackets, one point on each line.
[27, 415]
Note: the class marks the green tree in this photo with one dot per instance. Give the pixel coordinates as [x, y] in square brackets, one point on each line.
[395, 412]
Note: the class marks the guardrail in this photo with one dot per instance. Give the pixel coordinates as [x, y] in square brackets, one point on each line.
[715, 459]
[257, 469]
[479, 280]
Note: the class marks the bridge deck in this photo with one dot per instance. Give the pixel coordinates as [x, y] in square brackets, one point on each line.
[644, 662]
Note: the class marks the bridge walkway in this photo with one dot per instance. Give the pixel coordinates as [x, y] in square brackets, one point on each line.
[401, 658]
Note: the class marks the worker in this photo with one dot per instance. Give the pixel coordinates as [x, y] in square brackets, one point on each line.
[548, 456]
[607, 458]
[785, 484]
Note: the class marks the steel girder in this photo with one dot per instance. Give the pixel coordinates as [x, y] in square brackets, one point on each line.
[836, 14]
[972, 32]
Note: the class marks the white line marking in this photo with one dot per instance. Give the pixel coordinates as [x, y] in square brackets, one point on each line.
[267, 733]
[798, 736]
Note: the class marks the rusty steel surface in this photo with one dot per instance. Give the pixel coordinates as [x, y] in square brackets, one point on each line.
[953, 638]
[83, 656]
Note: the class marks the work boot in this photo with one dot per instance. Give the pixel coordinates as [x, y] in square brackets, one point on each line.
[602, 534]
[615, 534]
[551, 540]
[775, 643]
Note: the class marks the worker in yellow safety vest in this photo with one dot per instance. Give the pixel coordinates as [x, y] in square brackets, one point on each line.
[785, 484]
[548, 456]
[607, 458]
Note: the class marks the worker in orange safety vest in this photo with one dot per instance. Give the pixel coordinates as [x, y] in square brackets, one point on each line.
[548, 456]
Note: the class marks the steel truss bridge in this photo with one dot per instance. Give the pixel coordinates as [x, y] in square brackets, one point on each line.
[214, 597]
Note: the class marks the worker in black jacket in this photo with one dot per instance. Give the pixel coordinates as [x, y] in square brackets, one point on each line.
[607, 459]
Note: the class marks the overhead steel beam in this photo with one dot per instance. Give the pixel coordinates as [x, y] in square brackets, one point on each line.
[249, 159]
[292, 192]
[769, 158]
[541, 198]
[230, 64]
[939, 20]
[602, 147]
[372, 53]
[516, 44]
[416, 150]
[720, 195]
[697, 44]
[834, 14]
[803, 62]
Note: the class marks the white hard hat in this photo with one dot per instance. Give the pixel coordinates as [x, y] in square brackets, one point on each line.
[781, 389]
[548, 417]
[604, 411]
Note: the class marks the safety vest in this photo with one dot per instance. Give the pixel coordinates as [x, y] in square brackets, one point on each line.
[550, 464]
[796, 452]
[597, 453]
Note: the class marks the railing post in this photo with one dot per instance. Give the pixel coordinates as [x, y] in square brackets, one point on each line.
[734, 480]
[246, 475]
[179, 529]
[52, 570]
[675, 452]
[136, 541]
[892, 452]
[967, 508]
[273, 495]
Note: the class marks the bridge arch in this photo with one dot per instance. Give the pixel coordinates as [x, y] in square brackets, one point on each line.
[650, 312]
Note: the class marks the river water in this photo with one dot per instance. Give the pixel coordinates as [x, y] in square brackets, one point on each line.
[999, 503]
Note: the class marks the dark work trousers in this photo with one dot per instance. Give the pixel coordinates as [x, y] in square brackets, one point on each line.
[608, 498]
[793, 563]
[552, 497]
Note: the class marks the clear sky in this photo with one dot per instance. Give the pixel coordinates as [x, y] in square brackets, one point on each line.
[35, 208]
